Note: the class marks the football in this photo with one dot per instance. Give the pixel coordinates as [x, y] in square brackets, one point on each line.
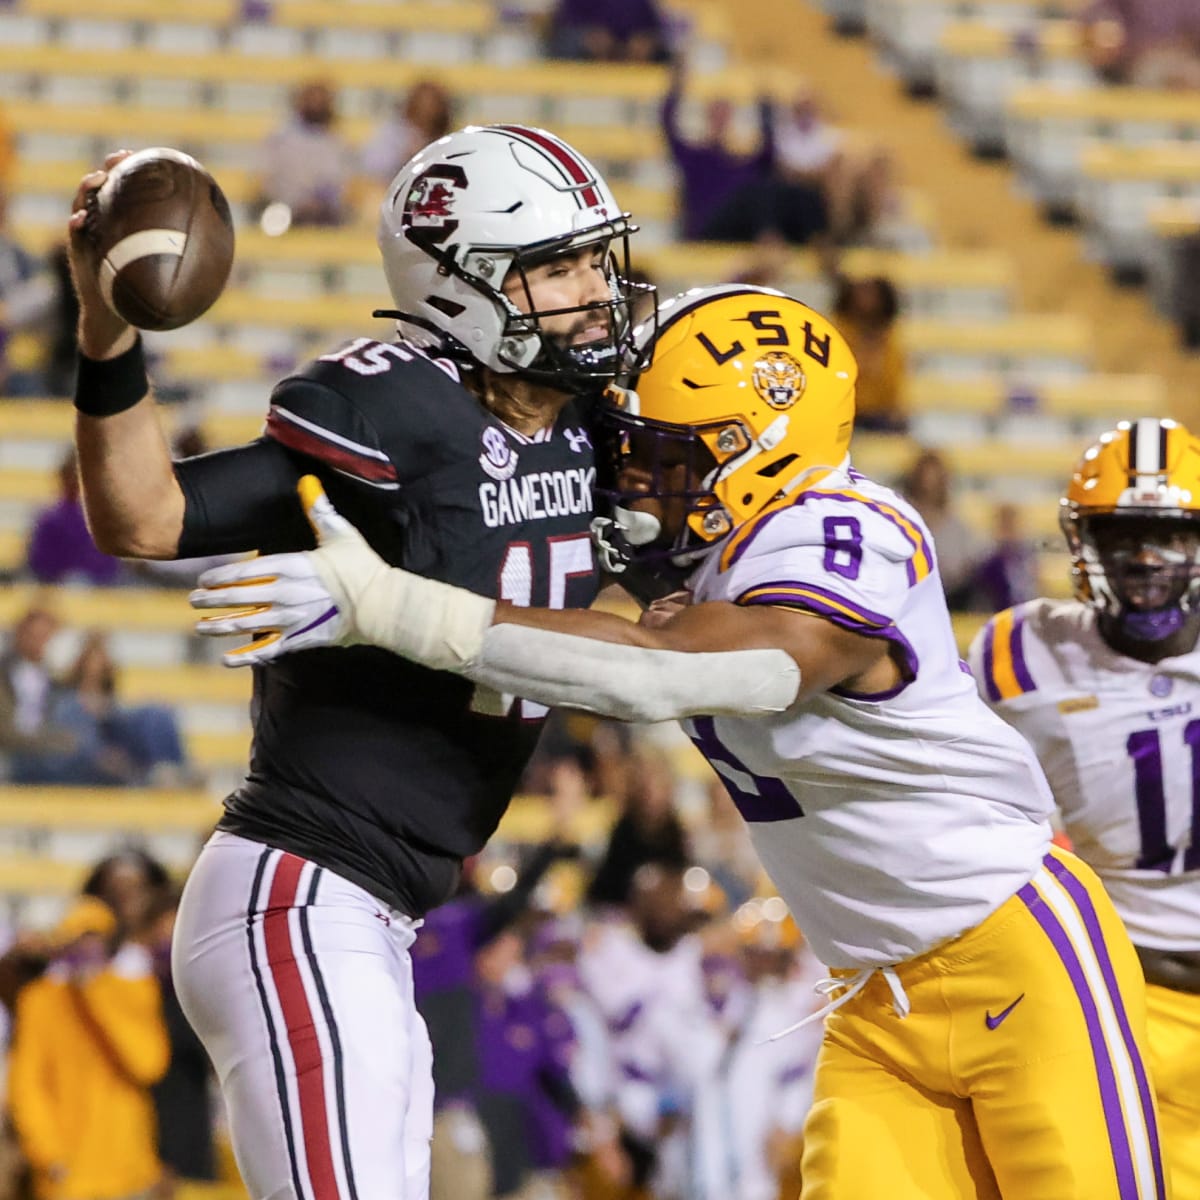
[163, 238]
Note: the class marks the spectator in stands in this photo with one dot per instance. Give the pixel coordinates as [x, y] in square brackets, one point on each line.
[36, 747]
[827, 184]
[60, 548]
[62, 350]
[135, 745]
[523, 1050]
[135, 886]
[28, 295]
[647, 831]
[446, 986]
[1008, 574]
[1146, 43]
[927, 486]
[183, 1096]
[724, 196]
[615, 31]
[865, 312]
[416, 119]
[90, 1043]
[307, 164]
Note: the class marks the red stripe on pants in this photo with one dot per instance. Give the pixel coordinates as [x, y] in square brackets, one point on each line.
[301, 1032]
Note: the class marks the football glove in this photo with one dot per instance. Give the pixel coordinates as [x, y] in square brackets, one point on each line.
[340, 594]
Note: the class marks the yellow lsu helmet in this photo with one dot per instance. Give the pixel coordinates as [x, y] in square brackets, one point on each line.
[754, 388]
[1131, 517]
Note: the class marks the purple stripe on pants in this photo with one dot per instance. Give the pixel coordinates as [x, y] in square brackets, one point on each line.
[1109, 1097]
[1087, 910]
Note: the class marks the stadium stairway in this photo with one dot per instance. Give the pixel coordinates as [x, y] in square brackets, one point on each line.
[977, 203]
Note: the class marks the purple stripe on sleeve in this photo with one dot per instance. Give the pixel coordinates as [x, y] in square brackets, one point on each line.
[786, 593]
[827, 604]
[1087, 910]
[918, 542]
[1109, 1097]
[965, 668]
[1018, 656]
[989, 662]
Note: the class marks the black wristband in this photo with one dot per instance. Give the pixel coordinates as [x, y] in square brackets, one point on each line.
[105, 388]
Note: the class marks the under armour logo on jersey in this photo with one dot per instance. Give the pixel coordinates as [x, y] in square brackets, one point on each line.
[579, 439]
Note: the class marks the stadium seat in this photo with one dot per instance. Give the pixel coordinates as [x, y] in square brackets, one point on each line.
[1048, 128]
[1120, 186]
[908, 31]
[978, 66]
[1031, 345]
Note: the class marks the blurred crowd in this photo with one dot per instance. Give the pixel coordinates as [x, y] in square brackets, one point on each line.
[1144, 43]
[601, 1001]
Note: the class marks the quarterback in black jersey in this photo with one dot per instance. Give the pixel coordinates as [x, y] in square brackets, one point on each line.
[462, 451]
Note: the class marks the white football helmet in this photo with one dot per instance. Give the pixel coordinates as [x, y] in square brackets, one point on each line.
[484, 201]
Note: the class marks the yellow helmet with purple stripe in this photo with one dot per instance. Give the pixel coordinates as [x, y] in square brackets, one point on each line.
[752, 390]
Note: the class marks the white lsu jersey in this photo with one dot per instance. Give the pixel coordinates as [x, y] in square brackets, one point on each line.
[890, 823]
[1119, 741]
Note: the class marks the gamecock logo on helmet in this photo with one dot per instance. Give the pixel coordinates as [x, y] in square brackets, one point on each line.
[779, 379]
[429, 206]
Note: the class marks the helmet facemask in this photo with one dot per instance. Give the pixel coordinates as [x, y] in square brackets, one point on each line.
[1141, 571]
[675, 467]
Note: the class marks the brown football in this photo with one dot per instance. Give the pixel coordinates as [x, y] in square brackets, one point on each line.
[163, 236]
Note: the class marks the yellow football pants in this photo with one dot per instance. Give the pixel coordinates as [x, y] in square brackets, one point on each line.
[1017, 1074]
[1173, 1021]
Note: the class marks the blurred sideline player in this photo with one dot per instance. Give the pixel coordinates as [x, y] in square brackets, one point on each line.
[463, 451]
[1106, 687]
[988, 1036]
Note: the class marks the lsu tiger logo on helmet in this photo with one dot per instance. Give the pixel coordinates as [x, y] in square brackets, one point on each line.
[779, 379]
[752, 389]
[1129, 514]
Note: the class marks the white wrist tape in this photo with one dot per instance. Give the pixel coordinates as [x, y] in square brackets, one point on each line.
[632, 683]
[431, 623]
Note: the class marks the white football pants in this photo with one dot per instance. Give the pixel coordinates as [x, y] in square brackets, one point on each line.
[299, 984]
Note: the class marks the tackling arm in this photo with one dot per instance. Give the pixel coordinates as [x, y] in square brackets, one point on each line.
[709, 659]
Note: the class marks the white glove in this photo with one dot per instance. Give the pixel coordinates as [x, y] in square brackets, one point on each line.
[340, 594]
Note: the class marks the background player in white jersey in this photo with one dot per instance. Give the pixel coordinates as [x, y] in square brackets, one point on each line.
[1106, 687]
[989, 1038]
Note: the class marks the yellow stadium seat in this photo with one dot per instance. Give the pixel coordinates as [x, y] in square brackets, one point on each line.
[1111, 396]
[12, 549]
[217, 128]
[1175, 218]
[102, 608]
[135, 810]
[188, 683]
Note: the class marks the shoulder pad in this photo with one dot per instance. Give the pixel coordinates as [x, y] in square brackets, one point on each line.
[379, 412]
[820, 518]
[312, 419]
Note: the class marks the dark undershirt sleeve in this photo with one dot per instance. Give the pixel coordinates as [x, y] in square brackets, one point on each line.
[242, 499]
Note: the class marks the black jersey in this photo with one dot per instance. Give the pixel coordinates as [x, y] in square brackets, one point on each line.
[381, 770]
